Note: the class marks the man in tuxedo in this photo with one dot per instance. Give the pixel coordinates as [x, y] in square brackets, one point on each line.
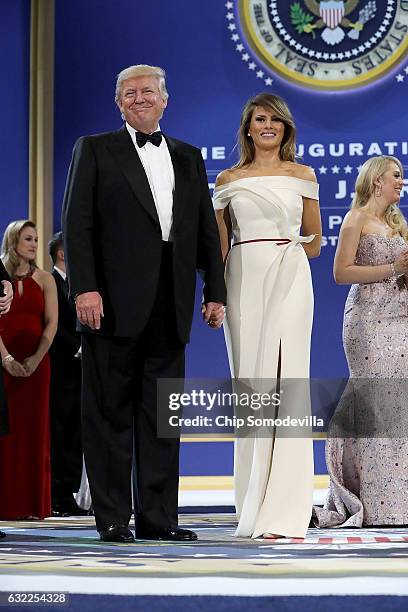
[137, 222]
[65, 395]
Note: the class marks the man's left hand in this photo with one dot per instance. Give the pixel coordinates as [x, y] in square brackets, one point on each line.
[6, 299]
[213, 314]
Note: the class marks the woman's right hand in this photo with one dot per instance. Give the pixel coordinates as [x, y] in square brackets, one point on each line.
[401, 264]
[14, 368]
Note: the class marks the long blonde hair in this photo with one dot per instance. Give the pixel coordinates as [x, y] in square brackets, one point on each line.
[9, 255]
[370, 172]
[278, 107]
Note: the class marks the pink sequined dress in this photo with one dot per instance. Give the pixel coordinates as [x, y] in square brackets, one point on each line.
[369, 471]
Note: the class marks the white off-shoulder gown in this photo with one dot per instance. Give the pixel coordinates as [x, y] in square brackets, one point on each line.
[269, 312]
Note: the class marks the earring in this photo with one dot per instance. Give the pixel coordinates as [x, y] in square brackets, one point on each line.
[249, 135]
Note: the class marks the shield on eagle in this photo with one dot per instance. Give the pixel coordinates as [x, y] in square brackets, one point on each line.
[332, 12]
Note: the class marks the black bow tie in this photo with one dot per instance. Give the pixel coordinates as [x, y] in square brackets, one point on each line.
[154, 138]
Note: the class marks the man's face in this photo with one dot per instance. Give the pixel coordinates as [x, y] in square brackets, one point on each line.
[142, 103]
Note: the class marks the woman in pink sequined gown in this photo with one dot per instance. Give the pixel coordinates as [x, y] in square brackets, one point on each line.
[367, 446]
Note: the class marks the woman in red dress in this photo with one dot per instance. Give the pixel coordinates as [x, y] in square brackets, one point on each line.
[27, 332]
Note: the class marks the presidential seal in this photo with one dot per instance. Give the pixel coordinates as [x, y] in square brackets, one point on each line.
[329, 45]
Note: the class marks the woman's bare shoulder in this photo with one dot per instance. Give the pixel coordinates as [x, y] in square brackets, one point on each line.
[301, 171]
[232, 174]
[355, 217]
[44, 278]
[226, 176]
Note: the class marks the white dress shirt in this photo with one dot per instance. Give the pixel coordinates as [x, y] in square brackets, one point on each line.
[159, 170]
[61, 272]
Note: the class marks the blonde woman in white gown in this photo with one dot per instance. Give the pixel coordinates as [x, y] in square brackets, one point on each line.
[262, 204]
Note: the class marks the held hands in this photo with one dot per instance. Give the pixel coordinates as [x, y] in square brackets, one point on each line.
[401, 264]
[14, 368]
[25, 369]
[30, 364]
[213, 314]
[6, 299]
[89, 309]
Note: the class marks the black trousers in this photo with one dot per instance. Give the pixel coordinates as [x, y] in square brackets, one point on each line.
[119, 408]
[66, 436]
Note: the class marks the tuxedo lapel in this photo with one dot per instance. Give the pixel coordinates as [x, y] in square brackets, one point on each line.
[180, 166]
[123, 151]
[61, 284]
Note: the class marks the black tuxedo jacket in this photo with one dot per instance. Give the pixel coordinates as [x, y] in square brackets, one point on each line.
[3, 273]
[67, 340]
[113, 237]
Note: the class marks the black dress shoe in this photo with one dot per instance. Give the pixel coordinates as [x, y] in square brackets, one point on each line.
[174, 534]
[60, 513]
[68, 509]
[117, 533]
[2, 534]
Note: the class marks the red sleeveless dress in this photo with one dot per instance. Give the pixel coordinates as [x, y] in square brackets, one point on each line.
[25, 486]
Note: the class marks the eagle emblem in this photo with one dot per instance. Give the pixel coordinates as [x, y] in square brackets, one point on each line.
[327, 45]
[332, 18]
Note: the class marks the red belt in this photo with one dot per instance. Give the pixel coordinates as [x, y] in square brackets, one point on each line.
[279, 241]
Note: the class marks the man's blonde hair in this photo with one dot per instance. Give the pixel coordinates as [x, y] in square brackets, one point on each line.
[141, 70]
